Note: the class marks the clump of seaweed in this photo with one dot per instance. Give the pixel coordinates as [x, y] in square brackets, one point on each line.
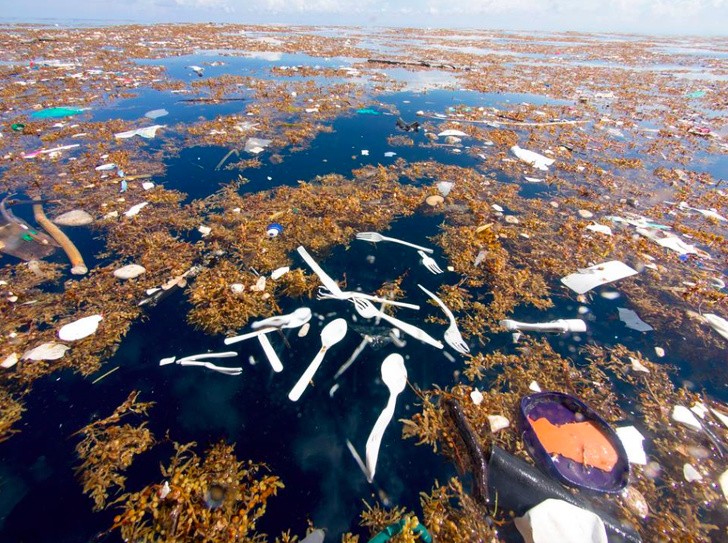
[212, 500]
[108, 449]
[11, 410]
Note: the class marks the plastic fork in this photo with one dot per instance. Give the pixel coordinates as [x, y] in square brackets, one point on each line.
[368, 311]
[452, 334]
[376, 237]
[429, 263]
[211, 366]
[325, 294]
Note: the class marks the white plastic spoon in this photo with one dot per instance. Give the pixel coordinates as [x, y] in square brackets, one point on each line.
[331, 334]
[394, 375]
[270, 353]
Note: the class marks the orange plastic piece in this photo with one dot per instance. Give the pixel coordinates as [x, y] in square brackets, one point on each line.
[578, 441]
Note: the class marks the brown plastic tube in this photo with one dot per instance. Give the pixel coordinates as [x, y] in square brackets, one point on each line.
[77, 263]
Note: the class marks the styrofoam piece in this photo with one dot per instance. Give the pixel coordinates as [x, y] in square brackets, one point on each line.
[601, 228]
[456, 133]
[317, 536]
[632, 439]
[534, 386]
[718, 323]
[691, 474]
[135, 209]
[46, 351]
[80, 329]
[536, 160]
[633, 321]
[476, 396]
[556, 520]
[130, 271]
[10, 361]
[600, 274]
[637, 365]
[498, 422]
[256, 145]
[682, 414]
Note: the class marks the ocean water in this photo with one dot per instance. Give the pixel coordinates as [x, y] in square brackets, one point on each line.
[304, 443]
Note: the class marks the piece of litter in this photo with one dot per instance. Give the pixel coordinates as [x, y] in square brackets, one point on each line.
[536, 160]
[637, 365]
[454, 133]
[10, 361]
[699, 409]
[682, 414]
[632, 320]
[390, 154]
[237, 288]
[476, 396]
[364, 152]
[80, 329]
[156, 113]
[129, 271]
[555, 520]
[168, 360]
[720, 416]
[601, 228]
[586, 279]
[317, 536]
[533, 179]
[691, 474]
[256, 145]
[105, 167]
[498, 423]
[498, 208]
[659, 351]
[46, 351]
[204, 230]
[148, 132]
[719, 324]
[585, 214]
[259, 285]
[533, 385]
[133, 210]
[723, 482]
[279, 272]
[632, 439]
[147, 185]
[76, 217]
[303, 331]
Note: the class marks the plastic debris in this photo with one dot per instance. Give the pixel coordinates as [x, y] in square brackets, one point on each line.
[601, 228]
[455, 133]
[199, 70]
[683, 415]
[204, 230]
[148, 132]
[476, 396]
[638, 366]
[434, 200]
[80, 329]
[135, 209]
[46, 351]
[317, 536]
[105, 167]
[558, 326]
[632, 440]
[147, 185]
[130, 271]
[273, 230]
[586, 279]
[56, 112]
[723, 482]
[536, 160]
[390, 531]
[718, 323]
[710, 213]
[408, 127]
[632, 320]
[498, 422]
[444, 187]
[279, 272]
[691, 474]
[9, 361]
[556, 520]
[76, 217]
[156, 113]
[671, 241]
[394, 375]
[256, 145]
[367, 111]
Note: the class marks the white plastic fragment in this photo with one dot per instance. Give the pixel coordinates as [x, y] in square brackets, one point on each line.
[558, 521]
[444, 187]
[279, 272]
[168, 360]
[533, 386]
[135, 209]
[536, 160]
[476, 396]
[10, 361]
[632, 439]
[259, 285]
[497, 423]
[585, 214]
[637, 365]
[632, 320]
[723, 482]
[671, 241]
[204, 230]
[164, 491]
[601, 228]
[533, 179]
[390, 154]
[659, 351]
[130, 271]
[256, 145]
[147, 185]
[586, 279]
[721, 417]
[699, 409]
[80, 329]
[456, 133]
[156, 113]
[105, 167]
[719, 324]
[75, 217]
[237, 288]
[682, 414]
[148, 132]
[317, 536]
[46, 351]
[691, 474]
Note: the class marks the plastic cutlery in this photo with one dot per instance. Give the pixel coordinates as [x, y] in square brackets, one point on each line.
[394, 375]
[452, 337]
[376, 237]
[331, 334]
[324, 293]
[270, 353]
[293, 320]
[430, 263]
[368, 311]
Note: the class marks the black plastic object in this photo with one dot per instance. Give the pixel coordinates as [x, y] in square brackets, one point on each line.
[408, 127]
[515, 485]
[560, 409]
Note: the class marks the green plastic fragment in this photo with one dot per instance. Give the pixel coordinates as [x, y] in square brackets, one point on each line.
[367, 111]
[392, 530]
[56, 112]
[696, 94]
[17, 127]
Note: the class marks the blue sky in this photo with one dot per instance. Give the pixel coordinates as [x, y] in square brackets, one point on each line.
[696, 17]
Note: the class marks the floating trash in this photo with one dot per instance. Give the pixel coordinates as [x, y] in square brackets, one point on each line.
[46, 351]
[536, 160]
[135, 209]
[632, 320]
[10, 361]
[599, 274]
[273, 230]
[76, 217]
[156, 113]
[556, 520]
[80, 329]
[130, 271]
[148, 132]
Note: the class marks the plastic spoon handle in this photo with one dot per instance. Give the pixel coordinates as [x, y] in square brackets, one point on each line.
[326, 281]
[235, 339]
[439, 302]
[375, 437]
[270, 353]
[302, 383]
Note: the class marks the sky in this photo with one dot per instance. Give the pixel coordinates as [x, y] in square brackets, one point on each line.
[690, 17]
